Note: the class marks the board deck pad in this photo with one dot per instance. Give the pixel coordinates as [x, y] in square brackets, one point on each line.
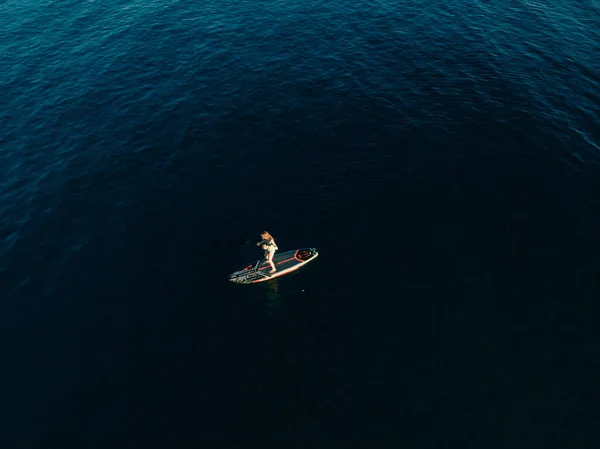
[285, 262]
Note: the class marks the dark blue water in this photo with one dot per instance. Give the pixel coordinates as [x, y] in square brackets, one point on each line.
[443, 157]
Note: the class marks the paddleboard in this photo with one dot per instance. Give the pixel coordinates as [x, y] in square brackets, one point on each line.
[285, 262]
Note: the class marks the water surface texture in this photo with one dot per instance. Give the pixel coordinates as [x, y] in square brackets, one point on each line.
[442, 156]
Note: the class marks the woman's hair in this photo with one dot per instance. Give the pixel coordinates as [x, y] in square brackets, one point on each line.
[266, 235]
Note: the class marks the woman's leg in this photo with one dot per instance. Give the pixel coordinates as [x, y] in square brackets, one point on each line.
[270, 260]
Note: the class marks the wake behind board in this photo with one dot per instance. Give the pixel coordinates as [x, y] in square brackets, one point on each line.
[286, 262]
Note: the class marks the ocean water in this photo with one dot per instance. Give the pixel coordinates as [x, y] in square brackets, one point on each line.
[442, 156]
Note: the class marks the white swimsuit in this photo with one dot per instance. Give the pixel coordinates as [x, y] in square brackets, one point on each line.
[270, 246]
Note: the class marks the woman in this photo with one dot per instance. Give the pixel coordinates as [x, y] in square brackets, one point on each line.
[268, 244]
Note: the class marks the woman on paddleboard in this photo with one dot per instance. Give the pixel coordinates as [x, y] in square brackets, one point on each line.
[268, 244]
